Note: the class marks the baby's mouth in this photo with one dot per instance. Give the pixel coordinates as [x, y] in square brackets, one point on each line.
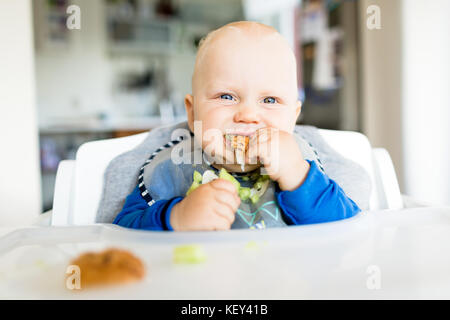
[240, 132]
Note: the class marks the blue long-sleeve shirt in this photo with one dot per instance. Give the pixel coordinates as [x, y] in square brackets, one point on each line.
[318, 199]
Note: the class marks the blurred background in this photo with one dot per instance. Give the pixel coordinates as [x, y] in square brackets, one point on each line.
[128, 67]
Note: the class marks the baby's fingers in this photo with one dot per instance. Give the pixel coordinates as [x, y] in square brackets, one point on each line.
[224, 217]
[264, 135]
[232, 201]
[259, 151]
[223, 185]
[251, 156]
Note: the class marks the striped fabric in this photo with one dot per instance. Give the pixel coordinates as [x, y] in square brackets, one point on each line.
[142, 188]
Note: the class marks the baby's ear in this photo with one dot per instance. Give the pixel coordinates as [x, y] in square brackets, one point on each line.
[189, 105]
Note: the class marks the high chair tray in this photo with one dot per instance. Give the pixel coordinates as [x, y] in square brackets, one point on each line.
[375, 255]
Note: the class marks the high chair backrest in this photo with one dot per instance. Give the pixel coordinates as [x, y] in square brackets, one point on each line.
[79, 183]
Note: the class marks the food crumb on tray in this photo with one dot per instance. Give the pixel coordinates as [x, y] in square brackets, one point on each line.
[189, 254]
[108, 267]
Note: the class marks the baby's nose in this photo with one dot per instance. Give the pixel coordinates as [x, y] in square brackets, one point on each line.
[247, 113]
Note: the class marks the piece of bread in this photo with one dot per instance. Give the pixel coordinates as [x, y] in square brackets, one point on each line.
[111, 266]
[239, 144]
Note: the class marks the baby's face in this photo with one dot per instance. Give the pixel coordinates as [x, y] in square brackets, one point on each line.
[242, 84]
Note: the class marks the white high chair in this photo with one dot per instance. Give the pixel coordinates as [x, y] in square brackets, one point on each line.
[79, 182]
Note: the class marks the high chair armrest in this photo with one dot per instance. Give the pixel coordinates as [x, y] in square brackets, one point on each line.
[63, 195]
[386, 180]
[410, 202]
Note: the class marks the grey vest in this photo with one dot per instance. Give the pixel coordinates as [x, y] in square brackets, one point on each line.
[169, 180]
[163, 179]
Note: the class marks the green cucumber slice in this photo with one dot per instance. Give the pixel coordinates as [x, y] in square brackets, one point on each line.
[193, 186]
[188, 254]
[197, 176]
[254, 198]
[244, 193]
[223, 174]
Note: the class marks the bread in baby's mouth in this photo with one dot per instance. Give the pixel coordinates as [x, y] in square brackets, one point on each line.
[239, 144]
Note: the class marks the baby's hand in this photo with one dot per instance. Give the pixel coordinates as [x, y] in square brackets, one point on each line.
[212, 206]
[278, 151]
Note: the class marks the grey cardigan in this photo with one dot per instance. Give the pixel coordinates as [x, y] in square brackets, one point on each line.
[121, 175]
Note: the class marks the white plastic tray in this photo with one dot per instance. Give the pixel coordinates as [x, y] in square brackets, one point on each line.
[375, 255]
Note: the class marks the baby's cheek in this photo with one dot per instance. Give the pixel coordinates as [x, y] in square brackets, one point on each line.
[273, 120]
[213, 141]
[282, 120]
[211, 121]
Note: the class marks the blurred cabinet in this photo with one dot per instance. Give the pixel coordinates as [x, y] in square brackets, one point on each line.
[154, 27]
[327, 50]
[61, 142]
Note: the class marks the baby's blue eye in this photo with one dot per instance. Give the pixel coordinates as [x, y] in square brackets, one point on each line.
[226, 97]
[269, 100]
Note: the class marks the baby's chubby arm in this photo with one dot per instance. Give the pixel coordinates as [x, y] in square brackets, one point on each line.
[318, 199]
[306, 194]
[211, 206]
[137, 214]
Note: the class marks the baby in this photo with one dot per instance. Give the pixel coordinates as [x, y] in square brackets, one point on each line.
[244, 85]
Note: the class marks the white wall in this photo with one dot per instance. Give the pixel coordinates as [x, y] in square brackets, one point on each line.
[73, 80]
[406, 92]
[276, 13]
[79, 80]
[381, 77]
[20, 195]
[426, 94]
